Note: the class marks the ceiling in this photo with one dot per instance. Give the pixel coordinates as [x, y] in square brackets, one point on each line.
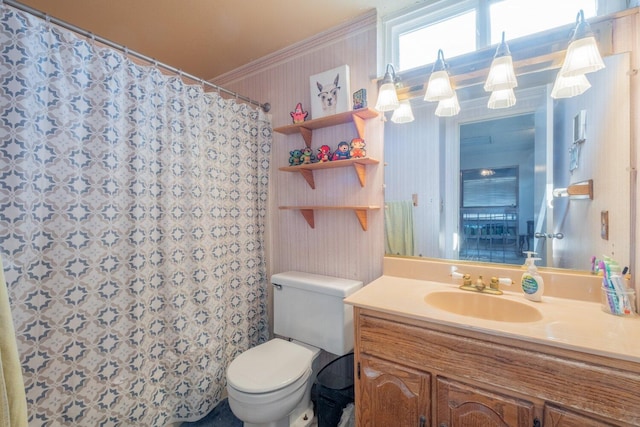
[207, 38]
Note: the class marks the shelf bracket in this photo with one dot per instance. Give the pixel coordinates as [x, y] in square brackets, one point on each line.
[308, 216]
[361, 214]
[308, 176]
[306, 135]
[360, 171]
[359, 122]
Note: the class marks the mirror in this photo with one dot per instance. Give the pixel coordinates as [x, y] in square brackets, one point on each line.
[480, 185]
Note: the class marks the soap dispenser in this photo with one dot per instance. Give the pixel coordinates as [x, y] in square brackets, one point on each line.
[532, 283]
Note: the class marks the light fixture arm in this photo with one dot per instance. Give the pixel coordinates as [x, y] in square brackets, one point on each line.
[390, 76]
[439, 65]
[582, 29]
[503, 48]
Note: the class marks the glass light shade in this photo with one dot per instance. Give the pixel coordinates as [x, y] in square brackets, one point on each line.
[448, 107]
[501, 75]
[387, 98]
[403, 114]
[502, 99]
[566, 87]
[582, 57]
[439, 87]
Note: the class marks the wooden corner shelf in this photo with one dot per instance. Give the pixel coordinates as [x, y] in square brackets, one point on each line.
[359, 164]
[308, 212]
[306, 128]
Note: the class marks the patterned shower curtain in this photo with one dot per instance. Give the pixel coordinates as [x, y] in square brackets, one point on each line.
[132, 215]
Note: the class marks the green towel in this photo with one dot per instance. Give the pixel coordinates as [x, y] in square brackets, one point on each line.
[13, 403]
[398, 228]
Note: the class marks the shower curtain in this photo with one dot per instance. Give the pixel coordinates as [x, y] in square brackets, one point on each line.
[132, 216]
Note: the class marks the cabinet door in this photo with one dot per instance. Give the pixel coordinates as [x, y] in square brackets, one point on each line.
[391, 395]
[555, 416]
[461, 405]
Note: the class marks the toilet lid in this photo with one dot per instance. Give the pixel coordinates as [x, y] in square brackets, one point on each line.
[269, 366]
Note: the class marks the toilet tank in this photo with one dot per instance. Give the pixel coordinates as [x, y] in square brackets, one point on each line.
[310, 308]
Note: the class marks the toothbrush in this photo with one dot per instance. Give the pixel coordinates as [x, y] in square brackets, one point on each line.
[611, 296]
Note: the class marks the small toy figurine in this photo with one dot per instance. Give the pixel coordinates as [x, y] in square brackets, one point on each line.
[324, 154]
[295, 158]
[299, 115]
[342, 153]
[307, 157]
[359, 99]
[357, 148]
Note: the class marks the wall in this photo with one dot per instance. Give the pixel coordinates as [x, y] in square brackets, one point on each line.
[337, 246]
[282, 80]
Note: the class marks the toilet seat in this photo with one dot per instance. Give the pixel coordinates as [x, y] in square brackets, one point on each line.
[271, 366]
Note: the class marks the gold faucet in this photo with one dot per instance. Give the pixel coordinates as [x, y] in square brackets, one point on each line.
[480, 286]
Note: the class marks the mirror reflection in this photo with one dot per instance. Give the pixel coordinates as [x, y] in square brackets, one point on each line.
[480, 185]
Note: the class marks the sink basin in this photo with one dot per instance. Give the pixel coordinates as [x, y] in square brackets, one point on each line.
[483, 306]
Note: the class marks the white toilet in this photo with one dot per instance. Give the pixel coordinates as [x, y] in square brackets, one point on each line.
[270, 385]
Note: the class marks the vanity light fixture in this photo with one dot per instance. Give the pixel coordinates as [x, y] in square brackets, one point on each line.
[503, 98]
[583, 55]
[439, 86]
[567, 87]
[501, 79]
[403, 114]
[387, 96]
[501, 74]
[448, 107]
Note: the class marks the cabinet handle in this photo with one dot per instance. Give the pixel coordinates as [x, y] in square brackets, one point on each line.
[444, 425]
[423, 421]
[536, 422]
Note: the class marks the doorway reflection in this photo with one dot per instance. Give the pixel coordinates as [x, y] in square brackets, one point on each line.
[496, 189]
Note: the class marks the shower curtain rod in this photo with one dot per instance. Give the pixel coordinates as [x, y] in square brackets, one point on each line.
[265, 107]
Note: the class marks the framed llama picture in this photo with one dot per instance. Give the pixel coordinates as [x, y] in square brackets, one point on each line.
[330, 92]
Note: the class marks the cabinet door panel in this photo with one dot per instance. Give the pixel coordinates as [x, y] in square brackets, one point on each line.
[460, 405]
[392, 395]
[559, 417]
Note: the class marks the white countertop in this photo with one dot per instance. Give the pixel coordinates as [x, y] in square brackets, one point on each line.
[571, 324]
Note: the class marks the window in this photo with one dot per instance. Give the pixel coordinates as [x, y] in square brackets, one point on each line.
[518, 18]
[416, 47]
[491, 187]
[412, 39]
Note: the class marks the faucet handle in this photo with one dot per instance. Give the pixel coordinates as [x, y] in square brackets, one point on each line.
[497, 281]
[455, 274]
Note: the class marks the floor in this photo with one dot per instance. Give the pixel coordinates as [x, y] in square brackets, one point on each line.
[220, 416]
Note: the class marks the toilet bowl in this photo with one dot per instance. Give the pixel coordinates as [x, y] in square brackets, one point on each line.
[270, 384]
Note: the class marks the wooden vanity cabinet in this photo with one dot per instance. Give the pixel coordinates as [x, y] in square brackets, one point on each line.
[459, 404]
[412, 372]
[392, 395]
[559, 417]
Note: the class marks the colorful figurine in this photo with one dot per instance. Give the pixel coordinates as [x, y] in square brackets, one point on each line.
[299, 115]
[357, 148]
[295, 158]
[324, 154]
[307, 156]
[342, 153]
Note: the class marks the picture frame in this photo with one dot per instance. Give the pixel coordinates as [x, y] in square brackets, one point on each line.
[330, 92]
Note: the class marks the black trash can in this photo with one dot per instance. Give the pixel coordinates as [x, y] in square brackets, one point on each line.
[334, 390]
